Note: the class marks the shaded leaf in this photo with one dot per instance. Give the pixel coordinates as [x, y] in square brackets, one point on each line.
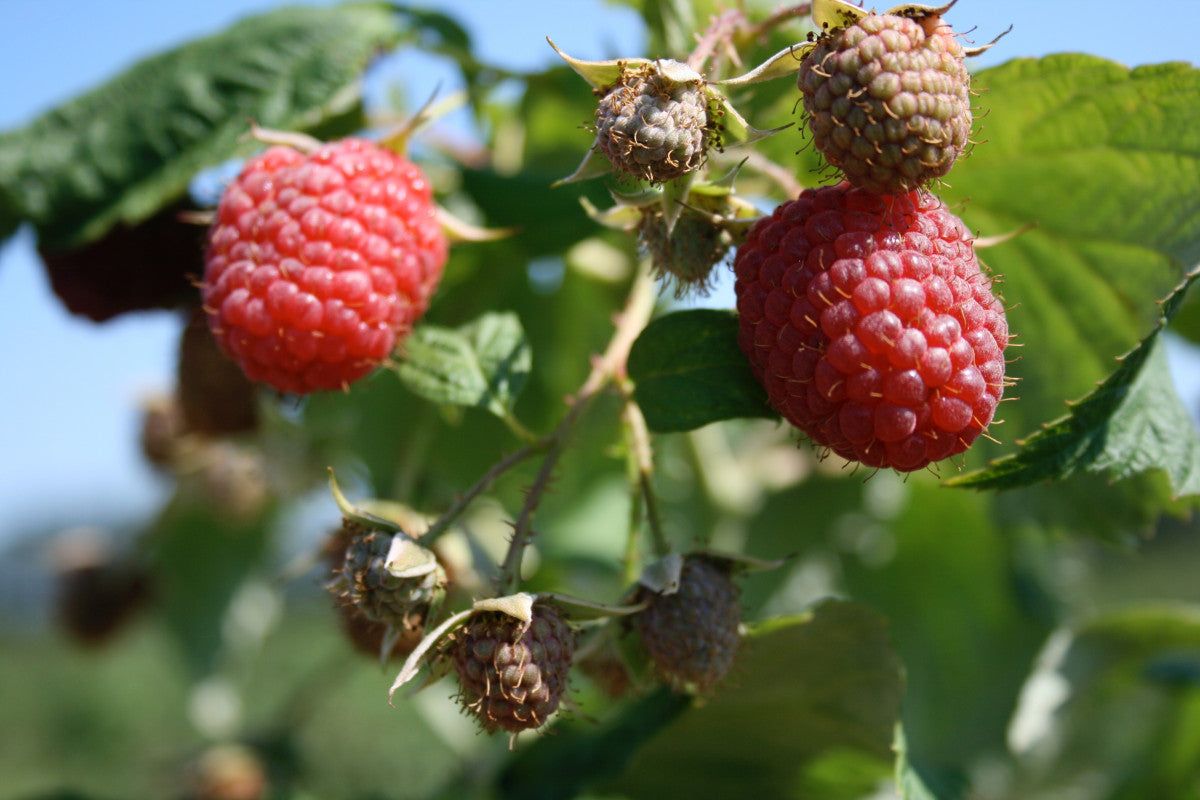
[690, 371]
[942, 572]
[1114, 707]
[1133, 422]
[482, 364]
[525, 202]
[908, 782]
[580, 752]
[201, 558]
[805, 687]
[1092, 505]
[122, 151]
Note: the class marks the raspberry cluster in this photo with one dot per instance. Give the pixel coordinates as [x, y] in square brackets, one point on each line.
[686, 253]
[319, 263]
[871, 325]
[363, 581]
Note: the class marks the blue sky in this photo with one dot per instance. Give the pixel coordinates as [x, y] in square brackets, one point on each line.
[70, 388]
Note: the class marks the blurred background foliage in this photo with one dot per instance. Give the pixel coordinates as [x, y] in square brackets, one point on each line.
[1037, 642]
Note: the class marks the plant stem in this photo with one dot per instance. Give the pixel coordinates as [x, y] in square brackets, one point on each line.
[719, 30]
[778, 17]
[460, 504]
[642, 457]
[519, 430]
[633, 551]
[608, 367]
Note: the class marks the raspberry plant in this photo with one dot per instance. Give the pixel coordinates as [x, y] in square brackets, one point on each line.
[657, 415]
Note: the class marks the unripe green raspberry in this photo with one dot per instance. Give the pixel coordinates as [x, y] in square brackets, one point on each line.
[652, 126]
[692, 635]
[513, 674]
[689, 252]
[888, 100]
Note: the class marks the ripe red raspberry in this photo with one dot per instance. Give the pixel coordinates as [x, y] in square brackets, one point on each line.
[870, 324]
[319, 263]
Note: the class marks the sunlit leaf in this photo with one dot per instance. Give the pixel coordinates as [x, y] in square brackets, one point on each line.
[1081, 147]
[122, 151]
[482, 364]
[1133, 422]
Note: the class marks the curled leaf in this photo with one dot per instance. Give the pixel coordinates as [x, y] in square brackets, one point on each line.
[593, 166]
[833, 14]
[357, 514]
[785, 62]
[580, 609]
[735, 129]
[407, 559]
[519, 605]
[598, 74]
[662, 576]
[416, 659]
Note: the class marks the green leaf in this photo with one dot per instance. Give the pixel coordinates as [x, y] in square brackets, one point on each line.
[1133, 422]
[483, 364]
[805, 688]
[581, 752]
[525, 201]
[122, 151]
[1081, 147]
[1114, 707]
[908, 782]
[814, 705]
[690, 371]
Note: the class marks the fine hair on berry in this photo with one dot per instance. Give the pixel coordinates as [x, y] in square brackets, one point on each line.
[888, 100]
[651, 126]
[871, 326]
[319, 263]
[513, 674]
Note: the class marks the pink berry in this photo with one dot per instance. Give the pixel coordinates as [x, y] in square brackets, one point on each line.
[320, 263]
[870, 324]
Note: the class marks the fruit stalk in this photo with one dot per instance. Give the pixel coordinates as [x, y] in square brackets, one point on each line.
[608, 367]
[641, 470]
[442, 523]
